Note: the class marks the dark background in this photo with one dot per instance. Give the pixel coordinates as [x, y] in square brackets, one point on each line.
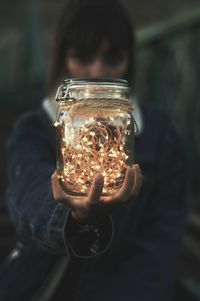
[168, 74]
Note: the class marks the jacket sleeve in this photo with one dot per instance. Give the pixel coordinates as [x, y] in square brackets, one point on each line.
[147, 272]
[33, 210]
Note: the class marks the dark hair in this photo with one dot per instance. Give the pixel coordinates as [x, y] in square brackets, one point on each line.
[82, 26]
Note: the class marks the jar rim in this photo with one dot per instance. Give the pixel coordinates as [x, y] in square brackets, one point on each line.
[96, 81]
[69, 85]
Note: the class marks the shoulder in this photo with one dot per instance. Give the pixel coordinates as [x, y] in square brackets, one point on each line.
[155, 123]
[35, 121]
[160, 133]
[32, 125]
[158, 122]
[155, 116]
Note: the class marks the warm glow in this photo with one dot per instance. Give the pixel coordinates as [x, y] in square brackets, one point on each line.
[97, 145]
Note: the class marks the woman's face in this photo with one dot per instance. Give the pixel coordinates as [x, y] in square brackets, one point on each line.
[104, 64]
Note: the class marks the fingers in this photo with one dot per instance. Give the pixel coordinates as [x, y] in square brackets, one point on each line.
[57, 190]
[88, 209]
[96, 189]
[138, 179]
[131, 187]
[126, 189]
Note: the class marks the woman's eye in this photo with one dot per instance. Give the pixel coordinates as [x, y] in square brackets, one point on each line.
[114, 60]
[80, 59]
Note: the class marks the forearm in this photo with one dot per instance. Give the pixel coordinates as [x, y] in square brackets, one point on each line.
[33, 210]
[37, 216]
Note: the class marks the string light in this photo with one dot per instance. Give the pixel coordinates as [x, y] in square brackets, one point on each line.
[97, 145]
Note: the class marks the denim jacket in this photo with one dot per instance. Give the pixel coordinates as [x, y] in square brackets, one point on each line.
[131, 254]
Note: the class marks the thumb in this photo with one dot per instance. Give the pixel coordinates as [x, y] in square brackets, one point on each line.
[96, 189]
[58, 193]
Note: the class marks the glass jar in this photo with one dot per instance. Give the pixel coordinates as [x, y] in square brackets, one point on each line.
[95, 134]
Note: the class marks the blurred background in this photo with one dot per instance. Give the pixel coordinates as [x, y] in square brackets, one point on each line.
[168, 74]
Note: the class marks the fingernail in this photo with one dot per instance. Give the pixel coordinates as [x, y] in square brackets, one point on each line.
[99, 178]
[136, 166]
[130, 168]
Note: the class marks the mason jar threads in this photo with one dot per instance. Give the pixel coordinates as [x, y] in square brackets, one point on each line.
[95, 134]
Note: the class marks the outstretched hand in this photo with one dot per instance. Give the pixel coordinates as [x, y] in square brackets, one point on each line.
[93, 207]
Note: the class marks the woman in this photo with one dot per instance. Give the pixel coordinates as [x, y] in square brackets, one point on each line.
[130, 252]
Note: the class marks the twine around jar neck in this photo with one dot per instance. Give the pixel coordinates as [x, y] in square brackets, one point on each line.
[94, 107]
[98, 107]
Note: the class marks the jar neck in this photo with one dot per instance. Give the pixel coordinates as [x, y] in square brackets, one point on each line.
[75, 89]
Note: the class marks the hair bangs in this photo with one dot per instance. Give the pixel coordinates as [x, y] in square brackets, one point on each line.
[119, 36]
[86, 36]
[96, 25]
[83, 26]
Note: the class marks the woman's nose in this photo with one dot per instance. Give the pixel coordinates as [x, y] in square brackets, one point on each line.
[97, 69]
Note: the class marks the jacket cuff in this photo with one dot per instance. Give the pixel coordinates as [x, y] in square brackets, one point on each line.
[55, 237]
[88, 240]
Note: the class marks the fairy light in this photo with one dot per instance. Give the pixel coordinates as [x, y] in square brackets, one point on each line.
[94, 130]
[98, 146]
